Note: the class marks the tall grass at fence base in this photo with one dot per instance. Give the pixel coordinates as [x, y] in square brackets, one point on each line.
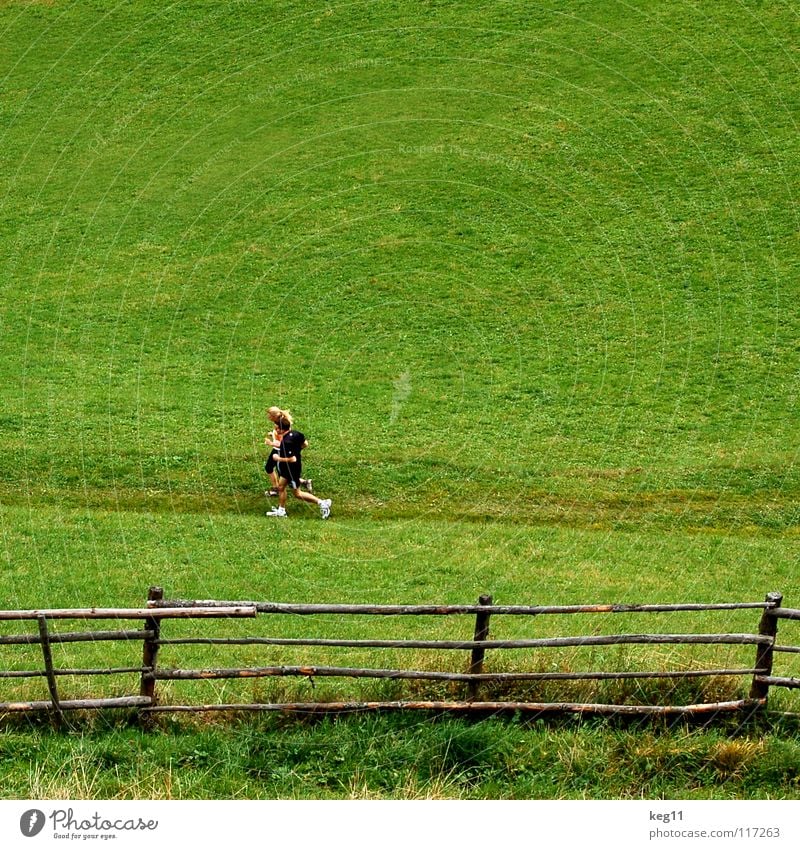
[400, 757]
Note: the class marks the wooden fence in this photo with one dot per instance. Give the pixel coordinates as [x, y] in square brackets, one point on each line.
[472, 677]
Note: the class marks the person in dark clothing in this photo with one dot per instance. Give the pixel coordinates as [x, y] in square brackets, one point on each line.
[288, 457]
[271, 439]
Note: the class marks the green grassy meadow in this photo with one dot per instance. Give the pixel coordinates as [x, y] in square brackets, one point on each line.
[526, 274]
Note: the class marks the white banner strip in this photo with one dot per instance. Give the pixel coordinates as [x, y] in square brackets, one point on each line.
[370, 824]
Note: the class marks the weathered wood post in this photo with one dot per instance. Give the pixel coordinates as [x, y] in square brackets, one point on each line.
[150, 648]
[478, 653]
[47, 653]
[767, 627]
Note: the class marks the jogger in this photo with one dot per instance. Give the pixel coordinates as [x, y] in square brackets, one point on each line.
[289, 466]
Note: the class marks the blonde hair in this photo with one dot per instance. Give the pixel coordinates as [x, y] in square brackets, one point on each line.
[276, 413]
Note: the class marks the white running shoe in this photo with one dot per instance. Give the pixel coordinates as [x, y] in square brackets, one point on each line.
[307, 484]
[277, 511]
[325, 508]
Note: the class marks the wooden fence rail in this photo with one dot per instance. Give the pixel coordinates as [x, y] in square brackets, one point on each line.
[168, 612]
[480, 648]
[424, 675]
[453, 609]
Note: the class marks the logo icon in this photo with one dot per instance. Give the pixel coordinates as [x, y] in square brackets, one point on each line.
[31, 822]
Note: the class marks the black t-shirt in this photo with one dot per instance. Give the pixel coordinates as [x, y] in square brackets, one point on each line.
[292, 444]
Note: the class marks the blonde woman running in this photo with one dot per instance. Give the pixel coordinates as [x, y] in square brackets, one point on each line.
[275, 414]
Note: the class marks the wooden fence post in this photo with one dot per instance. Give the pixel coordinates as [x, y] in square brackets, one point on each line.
[150, 648]
[767, 627]
[48, 666]
[478, 653]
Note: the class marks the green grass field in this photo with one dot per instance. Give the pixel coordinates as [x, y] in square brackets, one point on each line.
[525, 273]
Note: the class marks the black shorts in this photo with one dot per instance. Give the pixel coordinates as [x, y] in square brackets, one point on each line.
[269, 466]
[291, 472]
